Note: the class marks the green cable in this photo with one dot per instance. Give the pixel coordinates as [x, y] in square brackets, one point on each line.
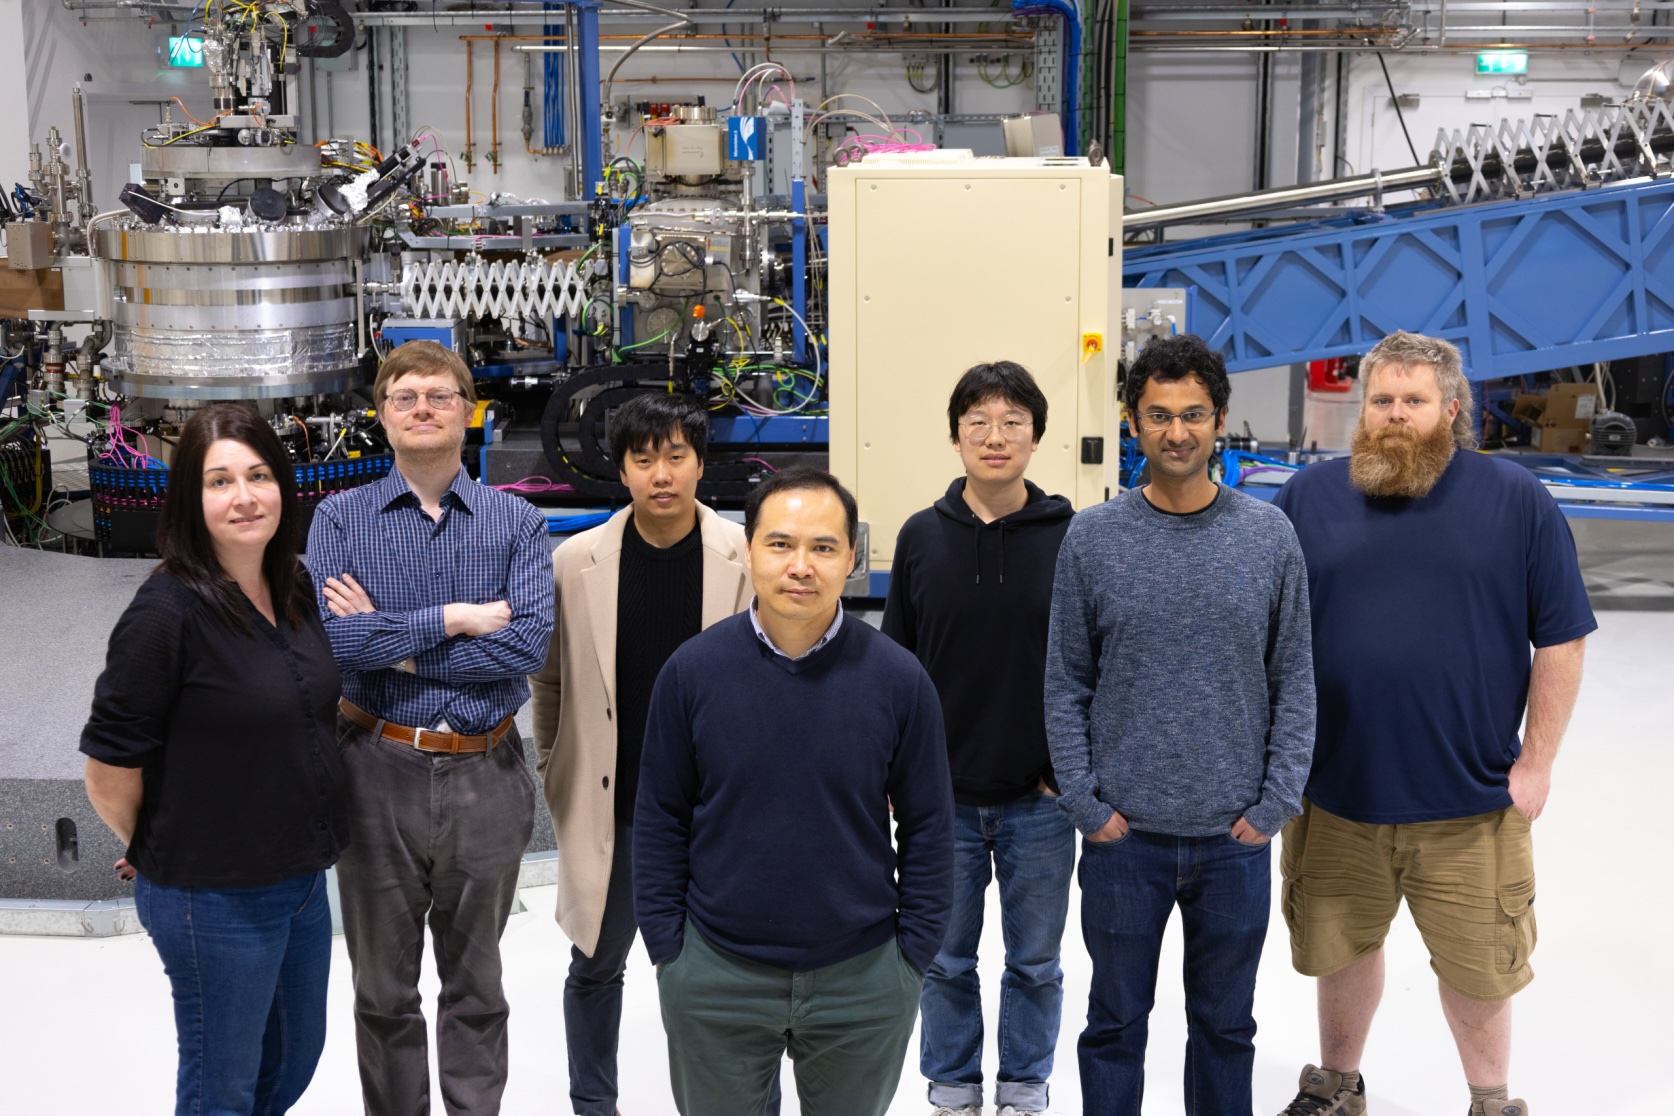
[651, 341]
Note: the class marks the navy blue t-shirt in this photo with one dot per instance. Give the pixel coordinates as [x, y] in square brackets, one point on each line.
[1424, 612]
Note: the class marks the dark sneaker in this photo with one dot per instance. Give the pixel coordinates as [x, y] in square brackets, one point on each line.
[1322, 1094]
[1518, 1107]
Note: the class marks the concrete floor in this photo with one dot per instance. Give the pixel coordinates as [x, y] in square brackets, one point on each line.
[87, 1027]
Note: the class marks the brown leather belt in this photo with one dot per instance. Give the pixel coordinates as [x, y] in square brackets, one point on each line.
[425, 740]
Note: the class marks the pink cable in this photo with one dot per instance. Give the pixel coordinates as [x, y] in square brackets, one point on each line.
[762, 77]
[859, 146]
[530, 485]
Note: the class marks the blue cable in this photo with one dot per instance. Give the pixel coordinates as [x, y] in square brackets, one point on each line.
[737, 61]
[1072, 63]
[552, 76]
[569, 524]
[8, 377]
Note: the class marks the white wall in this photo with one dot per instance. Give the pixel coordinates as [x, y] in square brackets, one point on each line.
[1556, 82]
[14, 90]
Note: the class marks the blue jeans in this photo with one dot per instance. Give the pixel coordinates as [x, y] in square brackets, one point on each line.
[249, 967]
[1032, 845]
[1128, 889]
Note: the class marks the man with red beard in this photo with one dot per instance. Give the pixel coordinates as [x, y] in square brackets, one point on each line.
[1431, 572]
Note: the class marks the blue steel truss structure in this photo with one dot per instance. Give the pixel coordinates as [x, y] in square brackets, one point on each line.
[1520, 286]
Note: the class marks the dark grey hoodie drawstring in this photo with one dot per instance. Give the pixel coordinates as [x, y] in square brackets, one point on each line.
[1002, 552]
[977, 536]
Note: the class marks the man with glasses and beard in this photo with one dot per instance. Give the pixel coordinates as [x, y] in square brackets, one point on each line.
[1431, 571]
[1180, 716]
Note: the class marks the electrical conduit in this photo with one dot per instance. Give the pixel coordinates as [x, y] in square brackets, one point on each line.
[1072, 61]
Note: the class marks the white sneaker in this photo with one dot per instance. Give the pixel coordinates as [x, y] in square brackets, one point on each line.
[968, 1110]
[1013, 1110]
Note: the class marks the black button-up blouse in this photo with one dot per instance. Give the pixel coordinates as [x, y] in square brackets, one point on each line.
[235, 733]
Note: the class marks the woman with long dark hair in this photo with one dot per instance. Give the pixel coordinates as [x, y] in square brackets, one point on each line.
[212, 752]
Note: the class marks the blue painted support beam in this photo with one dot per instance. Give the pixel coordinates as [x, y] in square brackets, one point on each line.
[1641, 513]
[769, 430]
[588, 114]
[1519, 286]
[799, 269]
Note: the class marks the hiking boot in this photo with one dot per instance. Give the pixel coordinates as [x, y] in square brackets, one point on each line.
[1322, 1094]
[1518, 1107]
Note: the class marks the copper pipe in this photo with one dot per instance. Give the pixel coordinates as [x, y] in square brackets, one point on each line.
[469, 165]
[494, 115]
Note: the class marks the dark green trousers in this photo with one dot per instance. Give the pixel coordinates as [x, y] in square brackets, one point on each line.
[729, 1021]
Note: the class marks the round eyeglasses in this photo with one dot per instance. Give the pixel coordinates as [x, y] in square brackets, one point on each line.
[978, 430]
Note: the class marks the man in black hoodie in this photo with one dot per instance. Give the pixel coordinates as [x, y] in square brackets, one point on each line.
[971, 594]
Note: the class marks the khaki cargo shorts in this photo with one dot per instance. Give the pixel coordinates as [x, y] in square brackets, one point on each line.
[1469, 881]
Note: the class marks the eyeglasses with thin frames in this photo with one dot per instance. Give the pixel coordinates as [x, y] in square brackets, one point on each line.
[1012, 430]
[440, 399]
[1162, 420]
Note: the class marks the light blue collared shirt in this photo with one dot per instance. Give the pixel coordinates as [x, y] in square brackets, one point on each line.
[830, 634]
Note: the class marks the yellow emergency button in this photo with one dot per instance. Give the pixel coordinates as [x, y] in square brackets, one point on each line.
[1091, 343]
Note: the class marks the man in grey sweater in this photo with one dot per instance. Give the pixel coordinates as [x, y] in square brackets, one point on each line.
[1180, 716]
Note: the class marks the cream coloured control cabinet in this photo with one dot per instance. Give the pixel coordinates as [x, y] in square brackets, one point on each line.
[941, 260]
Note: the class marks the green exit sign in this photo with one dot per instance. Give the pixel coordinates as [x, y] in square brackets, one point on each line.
[1503, 62]
[185, 51]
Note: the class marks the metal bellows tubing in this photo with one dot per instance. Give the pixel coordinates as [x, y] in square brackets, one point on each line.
[232, 314]
[1260, 201]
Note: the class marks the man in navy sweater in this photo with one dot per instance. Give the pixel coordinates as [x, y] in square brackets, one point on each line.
[778, 912]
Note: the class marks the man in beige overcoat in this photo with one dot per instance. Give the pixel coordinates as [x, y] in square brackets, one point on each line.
[628, 593]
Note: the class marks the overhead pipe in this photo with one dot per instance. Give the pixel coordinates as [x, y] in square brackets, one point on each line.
[779, 47]
[1203, 46]
[716, 16]
[680, 20]
[1262, 201]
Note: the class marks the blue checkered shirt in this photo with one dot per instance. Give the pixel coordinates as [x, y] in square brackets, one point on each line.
[488, 546]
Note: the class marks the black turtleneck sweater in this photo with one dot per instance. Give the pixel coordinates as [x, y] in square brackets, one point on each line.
[659, 606]
[972, 600]
[764, 802]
